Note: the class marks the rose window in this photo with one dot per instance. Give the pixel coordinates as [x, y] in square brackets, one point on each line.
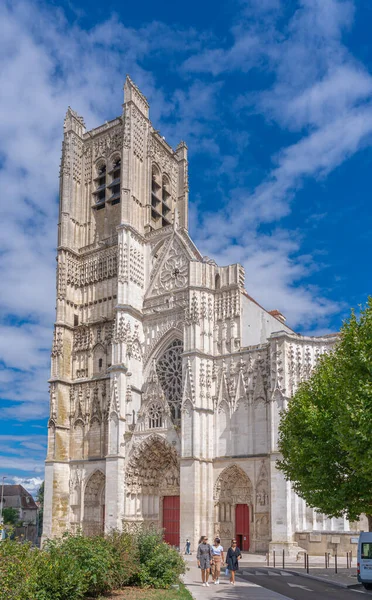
[175, 272]
[169, 370]
[155, 416]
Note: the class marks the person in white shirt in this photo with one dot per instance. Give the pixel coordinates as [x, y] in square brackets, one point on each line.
[217, 558]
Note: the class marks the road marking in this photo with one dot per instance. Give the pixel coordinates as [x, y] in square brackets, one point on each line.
[300, 586]
[285, 574]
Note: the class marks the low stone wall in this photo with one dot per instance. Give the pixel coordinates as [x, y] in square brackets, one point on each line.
[319, 542]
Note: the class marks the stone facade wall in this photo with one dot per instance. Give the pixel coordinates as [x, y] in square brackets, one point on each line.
[333, 542]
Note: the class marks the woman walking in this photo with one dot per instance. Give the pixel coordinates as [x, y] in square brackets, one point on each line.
[217, 557]
[232, 560]
[204, 558]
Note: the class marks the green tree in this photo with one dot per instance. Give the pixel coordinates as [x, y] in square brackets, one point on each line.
[325, 435]
[40, 494]
[40, 499]
[10, 515]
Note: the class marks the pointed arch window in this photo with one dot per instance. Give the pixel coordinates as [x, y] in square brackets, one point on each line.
[161, 209]
[155, 416]
[169, 371]
[114, 185]
[100, 182]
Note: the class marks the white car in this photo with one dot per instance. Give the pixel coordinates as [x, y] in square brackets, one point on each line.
[364, 564]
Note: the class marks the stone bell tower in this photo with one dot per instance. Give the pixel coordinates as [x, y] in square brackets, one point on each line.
[122, 189]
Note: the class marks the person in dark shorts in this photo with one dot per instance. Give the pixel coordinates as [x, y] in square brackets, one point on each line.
[232, 560]
[204, 558]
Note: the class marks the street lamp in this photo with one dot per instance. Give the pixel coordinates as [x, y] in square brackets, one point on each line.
[2, 499]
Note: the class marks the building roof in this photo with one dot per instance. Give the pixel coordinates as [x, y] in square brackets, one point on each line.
[27, 500]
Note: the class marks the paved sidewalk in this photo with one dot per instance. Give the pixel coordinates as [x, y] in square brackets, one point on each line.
[225, 591]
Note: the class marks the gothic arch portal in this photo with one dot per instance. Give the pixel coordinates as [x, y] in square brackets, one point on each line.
[153, 472]
[94, 504]
[233, 488]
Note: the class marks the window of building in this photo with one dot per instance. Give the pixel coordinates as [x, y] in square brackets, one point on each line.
[155, 416]
[100, 363]
[161, 207]
[114, 185]
[169, 371]
[76, 320]
[100, 183]
[156, 197]
[166, 198]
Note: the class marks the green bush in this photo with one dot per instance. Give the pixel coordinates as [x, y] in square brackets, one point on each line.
[74, 566]
[160, 565]
[126, 555]
[92, 557]
[58, 574]
[17, 570]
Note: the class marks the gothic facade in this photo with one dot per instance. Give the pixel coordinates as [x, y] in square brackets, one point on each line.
[167, 378]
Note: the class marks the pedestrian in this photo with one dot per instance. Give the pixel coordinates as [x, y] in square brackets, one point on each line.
[187, 546]
[204, 558]
[232, 560]
[217, 557]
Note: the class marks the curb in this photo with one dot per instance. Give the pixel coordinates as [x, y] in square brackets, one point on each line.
[331, 582]
[340, 584]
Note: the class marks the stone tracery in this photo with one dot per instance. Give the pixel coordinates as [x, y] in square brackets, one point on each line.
[155, 413]
[169, 370]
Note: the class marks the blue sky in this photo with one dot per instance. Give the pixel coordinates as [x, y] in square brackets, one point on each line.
[274, 99]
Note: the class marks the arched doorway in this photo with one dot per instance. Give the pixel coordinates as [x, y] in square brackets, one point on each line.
[94, 504]
[153, 486]
[233, 504]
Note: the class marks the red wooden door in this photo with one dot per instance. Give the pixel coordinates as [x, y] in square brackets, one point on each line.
[242, 525]
[171, 520]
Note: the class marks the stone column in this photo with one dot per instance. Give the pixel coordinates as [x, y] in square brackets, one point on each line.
[281, 511]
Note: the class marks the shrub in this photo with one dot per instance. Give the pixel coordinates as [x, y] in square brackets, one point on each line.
[75, 566]
[57, 576]
[17, 570]
[126, 556]
[92, 557]
[160, 565]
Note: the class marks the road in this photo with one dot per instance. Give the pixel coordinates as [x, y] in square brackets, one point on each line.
[300, 588]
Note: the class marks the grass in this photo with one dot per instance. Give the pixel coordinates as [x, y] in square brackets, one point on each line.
[147, 594]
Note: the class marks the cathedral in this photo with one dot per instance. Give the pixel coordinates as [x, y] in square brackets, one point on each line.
[167, 377]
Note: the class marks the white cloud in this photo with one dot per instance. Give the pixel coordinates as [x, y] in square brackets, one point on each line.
[48, 67]
[21, 464]
[31, 484]
[318, 90]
